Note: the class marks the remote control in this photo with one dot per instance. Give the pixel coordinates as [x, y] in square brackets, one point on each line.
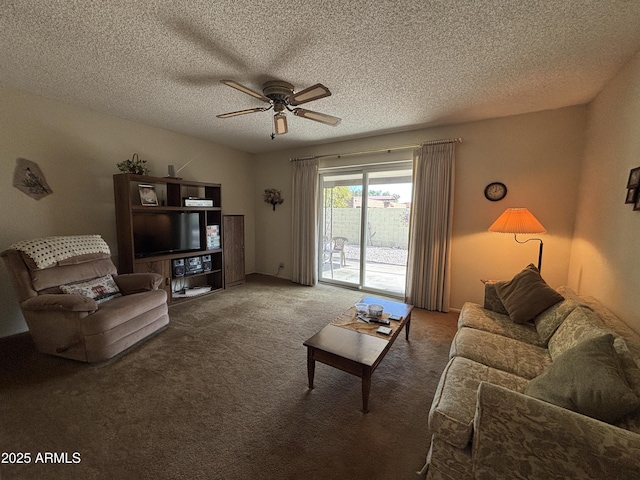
[383, 322]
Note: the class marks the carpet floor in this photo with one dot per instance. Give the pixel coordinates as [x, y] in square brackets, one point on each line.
[222, 394]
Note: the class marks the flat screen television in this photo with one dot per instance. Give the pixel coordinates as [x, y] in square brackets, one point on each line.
[166, 232]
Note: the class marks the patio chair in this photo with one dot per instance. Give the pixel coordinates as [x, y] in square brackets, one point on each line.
[338, 247]
[335, 245]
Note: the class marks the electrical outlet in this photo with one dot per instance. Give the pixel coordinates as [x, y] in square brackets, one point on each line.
[281, 265]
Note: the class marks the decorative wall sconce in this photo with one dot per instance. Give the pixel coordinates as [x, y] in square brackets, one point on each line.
[273, 196]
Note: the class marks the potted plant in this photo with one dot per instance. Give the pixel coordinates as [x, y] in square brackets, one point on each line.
[135, 165]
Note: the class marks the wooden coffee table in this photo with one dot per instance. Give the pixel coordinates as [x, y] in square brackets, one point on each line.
[355, 352]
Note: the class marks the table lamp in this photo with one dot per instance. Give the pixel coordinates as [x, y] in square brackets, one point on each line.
[519, 221]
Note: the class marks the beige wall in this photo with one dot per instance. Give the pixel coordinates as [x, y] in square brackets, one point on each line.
[605, 258]
[538, 156]
[77, 151]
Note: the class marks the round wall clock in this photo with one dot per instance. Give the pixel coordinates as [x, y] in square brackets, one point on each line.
[495, 191]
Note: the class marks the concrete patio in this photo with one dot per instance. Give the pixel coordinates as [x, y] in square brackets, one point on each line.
[385, 269]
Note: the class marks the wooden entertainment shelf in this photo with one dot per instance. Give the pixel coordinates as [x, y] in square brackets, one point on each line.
[207, 269]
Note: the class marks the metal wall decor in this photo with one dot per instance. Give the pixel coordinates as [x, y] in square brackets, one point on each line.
[273, 196]
[28, 178]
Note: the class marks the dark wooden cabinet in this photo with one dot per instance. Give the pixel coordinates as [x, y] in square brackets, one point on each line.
[233, 248]
[135, 222]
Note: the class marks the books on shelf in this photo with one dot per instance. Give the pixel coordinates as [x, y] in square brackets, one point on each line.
[213, 237]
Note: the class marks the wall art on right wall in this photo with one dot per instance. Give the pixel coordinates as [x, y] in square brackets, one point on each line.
[636, 203]
[633, 184]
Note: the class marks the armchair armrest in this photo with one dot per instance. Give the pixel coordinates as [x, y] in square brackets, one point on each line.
[60, 301]
[130, 283]
[517, 436]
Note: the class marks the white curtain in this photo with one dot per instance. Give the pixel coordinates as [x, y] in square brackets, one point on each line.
[305, 224]
[428, 269]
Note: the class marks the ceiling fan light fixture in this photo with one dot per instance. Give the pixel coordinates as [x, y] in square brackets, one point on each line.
[280, 123]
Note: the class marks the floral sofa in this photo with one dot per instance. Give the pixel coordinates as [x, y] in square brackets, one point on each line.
[541, 384]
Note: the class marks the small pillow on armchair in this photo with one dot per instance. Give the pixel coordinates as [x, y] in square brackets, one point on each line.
[589, 379]
[526, 295]
[100, 289]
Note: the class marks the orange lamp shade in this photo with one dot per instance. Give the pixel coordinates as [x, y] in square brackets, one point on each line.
[517, 220]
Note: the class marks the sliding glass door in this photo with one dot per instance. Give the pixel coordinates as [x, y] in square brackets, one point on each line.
[340, 232]
[364, 237]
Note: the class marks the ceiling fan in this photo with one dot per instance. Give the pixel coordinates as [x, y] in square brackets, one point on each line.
[281, 96]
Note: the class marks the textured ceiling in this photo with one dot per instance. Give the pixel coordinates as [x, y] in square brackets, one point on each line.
[391, 65]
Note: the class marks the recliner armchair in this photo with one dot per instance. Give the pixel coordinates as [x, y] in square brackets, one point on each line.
[113, 313]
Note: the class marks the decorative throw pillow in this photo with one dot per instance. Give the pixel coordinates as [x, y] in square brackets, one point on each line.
[526, 295]
[588, 379]
[100, 289]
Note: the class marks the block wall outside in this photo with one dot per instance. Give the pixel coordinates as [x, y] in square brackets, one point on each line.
[387, 227]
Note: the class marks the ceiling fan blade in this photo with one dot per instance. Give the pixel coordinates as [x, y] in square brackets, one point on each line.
[247, 90]
[314, 92]
[242, 112]
[316, 116]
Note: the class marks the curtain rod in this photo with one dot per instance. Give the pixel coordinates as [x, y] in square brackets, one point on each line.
[380, 150]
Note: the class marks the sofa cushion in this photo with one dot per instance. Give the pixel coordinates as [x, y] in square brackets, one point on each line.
[473, 315]
[454, 404]
[45, 279]
[587, 379]
[99, 289]
[631, 421]
[580, 324]
[121, 310]
[500, 352]
[610, 321]
[526, 295]
[548, 321]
